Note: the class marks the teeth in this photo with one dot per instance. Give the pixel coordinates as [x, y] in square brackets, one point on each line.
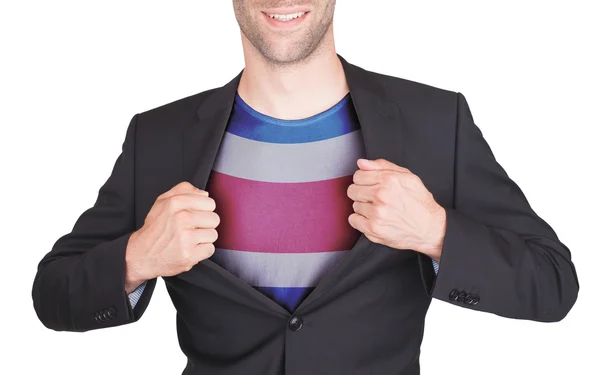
[286, 17]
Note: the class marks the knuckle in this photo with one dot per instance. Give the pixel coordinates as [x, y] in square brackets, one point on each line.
[379, 211]
[176, 203]
[386, 177]
[184, 255]
[176, 189]
[207, 235]
[206, 249]
[188, 265]
[376, 230]
[371, 227]
[181, 218]
[380, 194]
[413, 179]
[390, 179]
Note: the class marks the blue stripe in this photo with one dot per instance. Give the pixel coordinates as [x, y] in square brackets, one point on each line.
[289, 298]
[246, 122]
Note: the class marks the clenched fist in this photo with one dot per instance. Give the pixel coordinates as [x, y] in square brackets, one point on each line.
[178, 232]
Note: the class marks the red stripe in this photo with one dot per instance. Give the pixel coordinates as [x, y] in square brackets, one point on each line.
[282, 217]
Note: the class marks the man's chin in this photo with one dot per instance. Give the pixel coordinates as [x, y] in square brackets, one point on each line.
[285, 56]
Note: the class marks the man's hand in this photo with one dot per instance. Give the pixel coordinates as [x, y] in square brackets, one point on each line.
[178, 232]
[393, 207]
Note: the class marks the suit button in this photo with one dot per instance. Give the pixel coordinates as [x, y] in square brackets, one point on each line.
[97, 317]
[112, 312]
[461, 296]
[295, 324]
[453, 296]
[469, 299]
[105, 315]
[475, 298]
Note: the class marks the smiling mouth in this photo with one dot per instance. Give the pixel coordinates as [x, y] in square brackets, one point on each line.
[285, 17]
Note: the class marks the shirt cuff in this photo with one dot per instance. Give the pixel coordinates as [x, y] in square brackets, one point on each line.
[136, 294]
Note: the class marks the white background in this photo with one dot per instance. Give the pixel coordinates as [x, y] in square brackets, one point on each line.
[74, 73]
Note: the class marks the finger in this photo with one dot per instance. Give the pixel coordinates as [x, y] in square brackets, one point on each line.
[363, 209]
[380, 164]
[371, 177]
[203, 251]
[358, 222]
[191, 219]
[203, 235]
[170, 194]
[361, 193]
[190, 201]
[182, 188]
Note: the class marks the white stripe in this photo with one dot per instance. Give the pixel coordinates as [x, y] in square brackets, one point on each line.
[277, 269]
[281, 162]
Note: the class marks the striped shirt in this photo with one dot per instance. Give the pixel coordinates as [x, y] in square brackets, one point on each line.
[280, 188]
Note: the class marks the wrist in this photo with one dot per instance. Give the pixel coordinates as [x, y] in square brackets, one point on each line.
[435, 240]
[134, 275]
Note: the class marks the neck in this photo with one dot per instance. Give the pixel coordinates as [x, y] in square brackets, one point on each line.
[293, 91]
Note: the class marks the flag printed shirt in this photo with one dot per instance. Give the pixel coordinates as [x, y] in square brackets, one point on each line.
[280, 191]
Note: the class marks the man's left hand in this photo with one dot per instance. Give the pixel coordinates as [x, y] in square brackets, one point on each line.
[392, 207]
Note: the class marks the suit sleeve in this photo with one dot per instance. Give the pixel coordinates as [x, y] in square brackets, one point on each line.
[498, 255]
[80, 283]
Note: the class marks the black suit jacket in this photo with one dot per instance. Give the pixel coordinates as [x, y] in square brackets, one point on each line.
[366, 316]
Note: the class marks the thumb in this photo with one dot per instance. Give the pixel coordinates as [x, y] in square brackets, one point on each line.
[379, 164]
[367, 164]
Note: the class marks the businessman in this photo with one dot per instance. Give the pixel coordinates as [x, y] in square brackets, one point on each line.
[304, 215]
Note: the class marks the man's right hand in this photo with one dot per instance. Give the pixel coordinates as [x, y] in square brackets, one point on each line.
[178, 232]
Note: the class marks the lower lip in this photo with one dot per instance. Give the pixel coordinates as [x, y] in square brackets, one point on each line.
[285, 24]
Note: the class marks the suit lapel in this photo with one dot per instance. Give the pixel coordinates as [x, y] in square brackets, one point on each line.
[201, 141]
[202, 138]
[381, 129]
[380, 125]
